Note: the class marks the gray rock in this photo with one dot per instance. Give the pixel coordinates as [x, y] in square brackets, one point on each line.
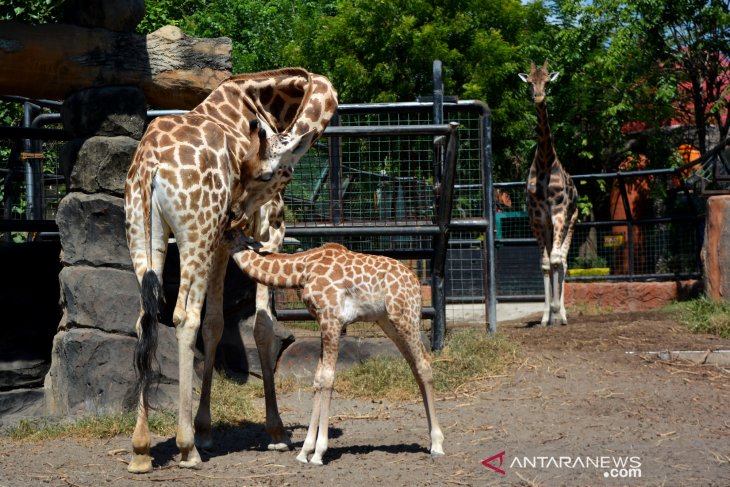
[92, 372]
[110, 111]
[100, 297]
[91, 228]
[21, 404]
[22, 373]
[101, 165]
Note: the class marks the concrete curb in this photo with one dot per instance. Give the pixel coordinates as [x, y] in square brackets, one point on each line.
[719, 358]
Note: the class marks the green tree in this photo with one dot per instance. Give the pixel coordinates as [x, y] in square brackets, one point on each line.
[641, 63]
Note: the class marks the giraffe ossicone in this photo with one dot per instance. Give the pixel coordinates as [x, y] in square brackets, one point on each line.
[220, 167]
[340, 287]
[551, 202]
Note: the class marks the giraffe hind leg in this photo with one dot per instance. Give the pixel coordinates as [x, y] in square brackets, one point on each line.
[405, 332]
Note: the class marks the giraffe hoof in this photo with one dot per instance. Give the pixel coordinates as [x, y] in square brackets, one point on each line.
[140, 464]
[191, 460]
[281, 446]
[437, 453]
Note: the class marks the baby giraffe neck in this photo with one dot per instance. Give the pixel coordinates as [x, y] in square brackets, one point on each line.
[275, 270]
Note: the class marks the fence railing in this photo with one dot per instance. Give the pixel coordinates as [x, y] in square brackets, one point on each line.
[636, 225]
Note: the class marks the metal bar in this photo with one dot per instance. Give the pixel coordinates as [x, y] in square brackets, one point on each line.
[490, 271]
[302, 314]
[386, 130]
[345, 231]
[440, 241]
[403, 254]
[335, 160]
[629, 222]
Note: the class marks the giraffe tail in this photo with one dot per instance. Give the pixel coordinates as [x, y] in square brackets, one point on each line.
[144, 352]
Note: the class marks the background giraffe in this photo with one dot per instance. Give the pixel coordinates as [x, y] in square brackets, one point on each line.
[551, 202]
[339, 288]
[221, 166]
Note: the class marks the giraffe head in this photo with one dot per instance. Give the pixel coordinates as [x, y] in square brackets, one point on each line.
[278, 153]
[538, 78]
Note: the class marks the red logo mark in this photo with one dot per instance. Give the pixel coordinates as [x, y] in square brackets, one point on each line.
[488, 463]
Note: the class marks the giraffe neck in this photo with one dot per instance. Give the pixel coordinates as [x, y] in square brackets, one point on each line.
[545, 156]
[276, 270]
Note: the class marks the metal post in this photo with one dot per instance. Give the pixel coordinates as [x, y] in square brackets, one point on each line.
[629, 223]
[335, 159]
[490, 287]
[440, 241]
[33, 168]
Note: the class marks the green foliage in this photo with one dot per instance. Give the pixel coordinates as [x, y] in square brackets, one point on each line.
[33, 12]
[640, 62]
[703, 315]
[589, 262]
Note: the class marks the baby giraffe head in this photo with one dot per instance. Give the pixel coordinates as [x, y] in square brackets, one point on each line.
[538, 78]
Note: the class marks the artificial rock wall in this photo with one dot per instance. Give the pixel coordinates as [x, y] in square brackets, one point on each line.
[91, 364]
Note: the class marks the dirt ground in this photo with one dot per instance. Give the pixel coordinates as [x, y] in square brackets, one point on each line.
[574, 409]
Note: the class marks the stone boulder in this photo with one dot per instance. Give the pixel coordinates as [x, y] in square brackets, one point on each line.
[91, 228]
[100, 164]
[99, 297]
[92, 372]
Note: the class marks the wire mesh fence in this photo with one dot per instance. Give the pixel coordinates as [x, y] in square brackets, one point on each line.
[632, 226]
[389, 181]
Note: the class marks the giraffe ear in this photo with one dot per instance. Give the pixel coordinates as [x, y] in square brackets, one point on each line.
[523, 76]
[305, 142]
[554, 75]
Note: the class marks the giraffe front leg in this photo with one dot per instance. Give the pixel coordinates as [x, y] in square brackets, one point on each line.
[330, 347]
[311, 438]
[545, 268]
[264, 334]
[556, 269]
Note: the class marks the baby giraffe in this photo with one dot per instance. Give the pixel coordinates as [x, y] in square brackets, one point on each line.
[341, 287]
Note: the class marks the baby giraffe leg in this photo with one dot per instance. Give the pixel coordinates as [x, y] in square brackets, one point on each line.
[324, 383]
[405, 332]
[309, 441]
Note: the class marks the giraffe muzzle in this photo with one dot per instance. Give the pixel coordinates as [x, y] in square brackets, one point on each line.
[265, 176]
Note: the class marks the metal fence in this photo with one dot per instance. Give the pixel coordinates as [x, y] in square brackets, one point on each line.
[32, 181]
[633, 226]
[380, 193]
[381, 181]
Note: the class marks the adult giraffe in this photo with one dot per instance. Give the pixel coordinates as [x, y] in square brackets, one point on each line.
[220, 167]
[551, 202]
